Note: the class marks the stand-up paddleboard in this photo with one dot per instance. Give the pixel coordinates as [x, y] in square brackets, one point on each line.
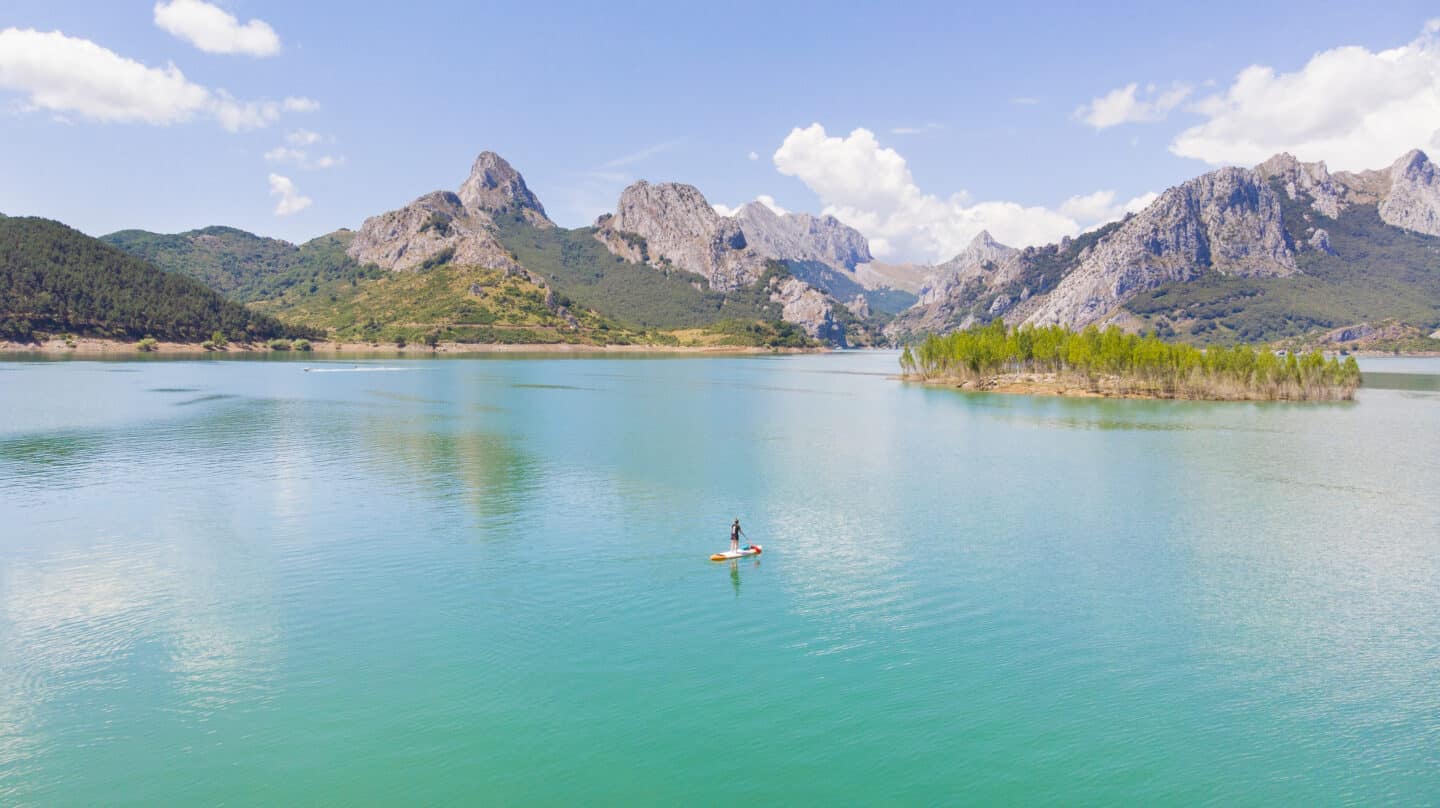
[747, 550]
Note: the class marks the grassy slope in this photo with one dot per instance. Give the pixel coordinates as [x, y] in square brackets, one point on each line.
[1379, 273]
[56, 279]
[454, 303]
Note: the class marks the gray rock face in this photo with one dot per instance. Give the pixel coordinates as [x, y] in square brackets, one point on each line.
[679, 226]
[1329, 195]
[436, 228]
[1228, 220]
[1413, 199]
[442, 226]
[493, 186]
[809, 308]
[802, 237]
[1320, 241]
[984, 260]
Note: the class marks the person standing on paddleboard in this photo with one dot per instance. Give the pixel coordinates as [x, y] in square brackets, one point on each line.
[735, 532]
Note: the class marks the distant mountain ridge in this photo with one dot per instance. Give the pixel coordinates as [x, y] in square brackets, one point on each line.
[1288, 244]
[1259, 227]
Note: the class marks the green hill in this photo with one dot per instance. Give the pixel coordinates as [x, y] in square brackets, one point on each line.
[243, 266]
[55, 279]
[448, 303]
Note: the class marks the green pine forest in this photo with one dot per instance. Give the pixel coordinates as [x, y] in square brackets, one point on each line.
[56, 280]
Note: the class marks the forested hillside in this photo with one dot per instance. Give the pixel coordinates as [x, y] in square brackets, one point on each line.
[55, 279]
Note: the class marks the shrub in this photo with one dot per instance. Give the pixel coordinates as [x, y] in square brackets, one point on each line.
[278, 344]
[147, 345]
[302, 344]
[218, 339]
[208, 345]
[399, 342]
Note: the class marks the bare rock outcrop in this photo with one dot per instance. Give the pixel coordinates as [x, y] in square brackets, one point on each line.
[446, 227]
[809, 308]
[434, 229]
[679, 227]
[1320, 241]
[984, 260]
[802, 237]
[1413, 198]
[1228, 221]
[495, 186]
[1328, 195]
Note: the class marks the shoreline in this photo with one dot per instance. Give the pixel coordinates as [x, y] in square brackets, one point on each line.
[1055, 386]
[110, 348]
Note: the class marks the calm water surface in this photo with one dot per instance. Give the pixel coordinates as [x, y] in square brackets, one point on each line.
[486, 581]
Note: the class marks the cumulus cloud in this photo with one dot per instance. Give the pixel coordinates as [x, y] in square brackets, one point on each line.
[869, 187]
[300, 158]
[297, 152]
[1349, 106]
[68, 76]
[1100, 207]
[764, 199]
[215, 30]
[303, 137]
[1129, 104]
[291, 200]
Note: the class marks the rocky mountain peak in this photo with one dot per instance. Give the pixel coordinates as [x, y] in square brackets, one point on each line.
[678, 226]
[1413, 200]
[1313, 179]
[1228, 221]
[495, 185]
[802, 237]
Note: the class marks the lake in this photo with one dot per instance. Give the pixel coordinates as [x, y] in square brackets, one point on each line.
[486, 581]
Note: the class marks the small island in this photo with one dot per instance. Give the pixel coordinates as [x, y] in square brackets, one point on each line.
[1054, 360]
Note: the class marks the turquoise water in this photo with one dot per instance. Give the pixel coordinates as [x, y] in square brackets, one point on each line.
[486, 581]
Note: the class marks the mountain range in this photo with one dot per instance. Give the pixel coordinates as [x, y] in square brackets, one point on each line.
[1283, 249]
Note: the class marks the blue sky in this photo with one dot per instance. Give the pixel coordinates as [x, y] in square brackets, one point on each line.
[980, 104]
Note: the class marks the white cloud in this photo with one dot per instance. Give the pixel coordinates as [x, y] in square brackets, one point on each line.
[291, 201]
[1349, 106]
[753, 155]
[769, 202]
[870, 188]
[1125, 105]
[215, 30]
[300, 104]
[917, 130]
[1100, 207]
[298, 155]
[68, 76]
[301, 158]
[764, 199]
[303, 137]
